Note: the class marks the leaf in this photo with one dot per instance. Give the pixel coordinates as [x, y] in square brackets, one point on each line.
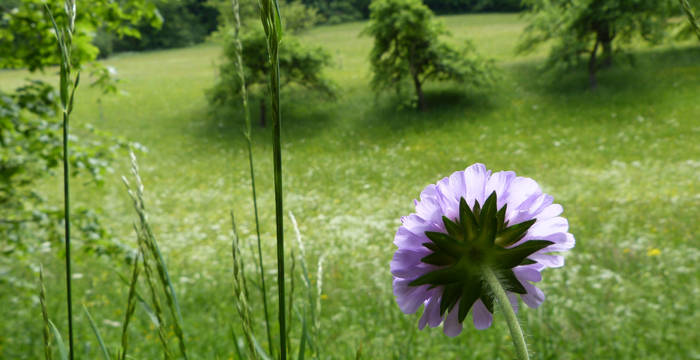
[259, 349]
[236, 347]
[59, 340]
[512, 234]
[95, 330]
[510, 258]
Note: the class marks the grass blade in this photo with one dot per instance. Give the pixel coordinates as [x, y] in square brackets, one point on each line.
[240, 290]
[96, 331]
[247, 134]
[130, 307]
[59, 340]
[269, 15]
[260, 351]
[149, 246]
[44, 314]
[235, 344]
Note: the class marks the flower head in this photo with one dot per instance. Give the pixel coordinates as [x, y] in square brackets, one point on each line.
[465, 223]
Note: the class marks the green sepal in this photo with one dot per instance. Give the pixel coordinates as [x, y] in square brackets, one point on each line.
[527, 262]
[487, 298]
[501, 218]
[489, 226]
[477, 212]
[444, 241]
[512, 234]
[510, 282]
[453, 228]
[510, 258]
[468, 221]
[445, 276]
[449, 297]
[470, 293]
[439, 259]
[431, 246]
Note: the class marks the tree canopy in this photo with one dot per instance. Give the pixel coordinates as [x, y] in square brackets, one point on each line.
[407, 45]
[592, 27]
[27, 38]
[300, 64]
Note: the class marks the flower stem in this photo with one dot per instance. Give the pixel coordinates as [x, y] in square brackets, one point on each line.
[516, 333]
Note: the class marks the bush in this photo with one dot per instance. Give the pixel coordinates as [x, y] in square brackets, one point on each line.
[300, 65]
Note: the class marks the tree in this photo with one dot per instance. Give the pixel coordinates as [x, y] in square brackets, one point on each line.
[27, 39]
[592, 27]
[30, 141]
[407, 44]
[299, 65]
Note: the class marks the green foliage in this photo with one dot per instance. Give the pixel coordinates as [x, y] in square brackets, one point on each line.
[30, 148]
[27, 38]
[692, 26]
[337, 11]
[461, 6]
[298, 17]
[583, 27]
[184, 23]
[300, 65]
[407, 45]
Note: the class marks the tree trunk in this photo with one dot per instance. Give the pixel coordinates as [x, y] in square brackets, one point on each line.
[607, 53]
[419, 92]
[262, 112]
[593, 67]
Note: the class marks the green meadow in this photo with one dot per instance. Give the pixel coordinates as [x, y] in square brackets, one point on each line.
[623, 160]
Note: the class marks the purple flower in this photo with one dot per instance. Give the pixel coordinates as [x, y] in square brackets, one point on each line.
[464, 223]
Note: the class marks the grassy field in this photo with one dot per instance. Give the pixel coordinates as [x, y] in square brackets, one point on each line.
[624, 161]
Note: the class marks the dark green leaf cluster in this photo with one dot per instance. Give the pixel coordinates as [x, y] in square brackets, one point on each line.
[478, 239]
[27, 39]
[184, 23]
[407, 45]
[580, 28]
[300, 65]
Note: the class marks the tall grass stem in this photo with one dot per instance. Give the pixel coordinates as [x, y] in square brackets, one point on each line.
[270, 16]
[67, 88]
[247, 134]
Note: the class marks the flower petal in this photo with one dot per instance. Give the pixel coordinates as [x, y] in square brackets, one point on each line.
[534, 296]
[475, 178]
[500, 182]
[431, 314]
[452, 327]
[409, 298]
[481, 315]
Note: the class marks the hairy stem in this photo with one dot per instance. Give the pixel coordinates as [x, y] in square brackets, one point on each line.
[516, 333]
